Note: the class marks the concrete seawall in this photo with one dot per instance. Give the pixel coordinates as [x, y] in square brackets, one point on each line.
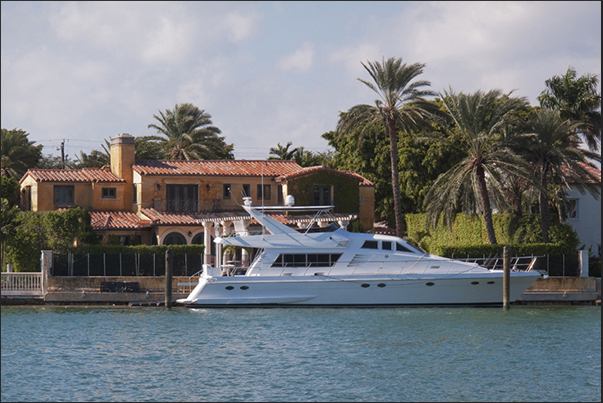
[562, 291]
[151, 292]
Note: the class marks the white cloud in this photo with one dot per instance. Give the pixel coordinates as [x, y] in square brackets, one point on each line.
[100, 68]
[240, 26]
[301, 59]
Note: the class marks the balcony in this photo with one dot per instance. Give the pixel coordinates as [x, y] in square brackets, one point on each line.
[188, 206]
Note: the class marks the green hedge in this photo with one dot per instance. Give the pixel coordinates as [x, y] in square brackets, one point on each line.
[141, 249]
[470, 230]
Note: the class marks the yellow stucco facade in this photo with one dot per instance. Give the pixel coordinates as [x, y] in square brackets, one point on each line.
[148, 192]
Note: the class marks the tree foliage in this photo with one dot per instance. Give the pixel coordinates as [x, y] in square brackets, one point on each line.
[10, 190]
[18, 153]
[54, 230]
[187, 133]
[401, 107]
[556, 158]
[282, 153]
[576, 99]
[484, 121]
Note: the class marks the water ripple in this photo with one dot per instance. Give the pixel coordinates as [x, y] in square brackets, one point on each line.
[437, 354]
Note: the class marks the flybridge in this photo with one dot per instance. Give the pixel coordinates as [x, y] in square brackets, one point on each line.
[289, 206]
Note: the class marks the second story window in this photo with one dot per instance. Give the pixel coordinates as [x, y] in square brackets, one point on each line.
[226, 191]
[246, 190]
[263, 192]
[64, 195]
[182, 198]
[322, 195]
[109, 193]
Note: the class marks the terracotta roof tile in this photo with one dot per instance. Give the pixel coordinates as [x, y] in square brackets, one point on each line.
[318, 168]
[117, 220]
[72, 175]
[167, 218]
[269, 168]
[594, 172]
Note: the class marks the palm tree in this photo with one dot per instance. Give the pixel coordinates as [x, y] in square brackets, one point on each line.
[189, 134]
[482, 120]
[282, 153]
[18, 153]
[554, 152]
[576, 99]
[8, 225]
[402, 107]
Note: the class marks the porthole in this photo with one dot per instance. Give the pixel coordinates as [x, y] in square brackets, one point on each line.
[229, 287]
[429, 284]
[475, 282]
[381, 285]
[491, 282]
[244, 287]
[365, 285]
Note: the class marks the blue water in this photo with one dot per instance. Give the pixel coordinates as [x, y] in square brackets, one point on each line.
[301, 354]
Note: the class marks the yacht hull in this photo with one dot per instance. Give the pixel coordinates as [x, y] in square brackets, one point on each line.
[471, 289]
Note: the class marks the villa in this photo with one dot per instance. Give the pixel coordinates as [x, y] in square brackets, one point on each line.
[162, 202]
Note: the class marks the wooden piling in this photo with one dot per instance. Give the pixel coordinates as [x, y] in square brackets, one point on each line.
[506, 277]
[169, 266]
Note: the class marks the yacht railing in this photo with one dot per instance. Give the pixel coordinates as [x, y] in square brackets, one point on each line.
[420, 266]
[517, 263]
[188, 287]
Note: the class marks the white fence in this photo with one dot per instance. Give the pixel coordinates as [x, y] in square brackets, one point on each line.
[22, 284]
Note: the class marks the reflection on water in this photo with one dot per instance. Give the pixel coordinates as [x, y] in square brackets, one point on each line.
[393, 354]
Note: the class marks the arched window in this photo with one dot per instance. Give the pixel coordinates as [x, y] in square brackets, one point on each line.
[174, 238]
[199, 239]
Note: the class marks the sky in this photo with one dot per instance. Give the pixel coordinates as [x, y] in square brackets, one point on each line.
[268, 73]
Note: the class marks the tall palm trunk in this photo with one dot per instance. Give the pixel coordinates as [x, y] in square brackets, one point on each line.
[543, 202]
[393, 149]
[487, 209]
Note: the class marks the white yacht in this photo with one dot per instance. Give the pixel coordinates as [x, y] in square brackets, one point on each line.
[341, 268]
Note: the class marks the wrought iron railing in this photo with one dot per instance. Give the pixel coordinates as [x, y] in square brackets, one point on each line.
[190, 206]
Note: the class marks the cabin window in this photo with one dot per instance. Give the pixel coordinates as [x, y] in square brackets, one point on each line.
[386, 245]
[306, 260]
[370, 245]
[401, 248]
[64, 195]
[109, 193]
[263, 192]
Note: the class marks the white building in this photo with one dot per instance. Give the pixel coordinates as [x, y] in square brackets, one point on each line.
[584, 215]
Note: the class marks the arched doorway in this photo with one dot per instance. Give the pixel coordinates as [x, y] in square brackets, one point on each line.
[174, 238]
[199, 239]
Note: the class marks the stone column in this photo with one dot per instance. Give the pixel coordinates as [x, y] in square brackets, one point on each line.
[583, 263]
[46, 265]
[207, 242]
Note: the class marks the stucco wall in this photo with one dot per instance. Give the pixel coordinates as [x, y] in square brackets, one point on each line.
[588, 222]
